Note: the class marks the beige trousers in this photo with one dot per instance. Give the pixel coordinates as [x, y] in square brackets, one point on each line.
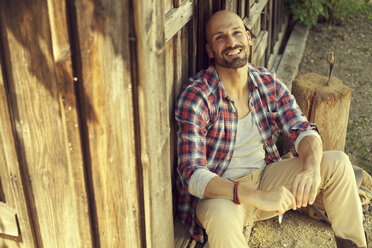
[224, 220]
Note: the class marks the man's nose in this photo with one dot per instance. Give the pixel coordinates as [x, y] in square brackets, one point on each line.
[230, 41]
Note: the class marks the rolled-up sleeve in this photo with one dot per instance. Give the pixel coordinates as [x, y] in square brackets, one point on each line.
[290, 117]
[192, 116]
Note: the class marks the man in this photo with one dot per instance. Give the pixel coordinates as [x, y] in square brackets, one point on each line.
[230, 172]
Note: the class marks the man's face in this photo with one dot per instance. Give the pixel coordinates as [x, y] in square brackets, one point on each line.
[228, 42]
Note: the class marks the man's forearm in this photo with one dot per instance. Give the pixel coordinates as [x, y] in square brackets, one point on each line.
[310, 152]
[219, 187]
[278, 199]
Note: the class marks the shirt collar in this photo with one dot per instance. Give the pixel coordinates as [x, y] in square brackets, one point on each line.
[252, 78]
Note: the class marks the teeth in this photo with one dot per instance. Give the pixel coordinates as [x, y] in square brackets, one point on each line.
[234, 52]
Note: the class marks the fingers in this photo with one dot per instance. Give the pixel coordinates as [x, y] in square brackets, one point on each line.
[300, 193]
[312, 195]
[288, 201]
[292, 203]
[304, 191]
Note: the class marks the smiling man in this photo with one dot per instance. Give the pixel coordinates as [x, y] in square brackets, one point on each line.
[229, 169]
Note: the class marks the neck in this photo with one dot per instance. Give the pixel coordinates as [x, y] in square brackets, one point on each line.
[234, 80]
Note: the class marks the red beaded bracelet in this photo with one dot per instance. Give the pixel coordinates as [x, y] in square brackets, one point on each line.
[236, 197]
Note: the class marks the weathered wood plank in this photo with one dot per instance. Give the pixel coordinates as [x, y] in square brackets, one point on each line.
[256, 28]
[275, 20]
[192, 34]
[70, 120]
[205, 9]
[260, 48]
[177, 18]
[254, 14]
[8, 221]
[43, 149]
[247, 9]
[177, 3]
[241, 8]
[230, 5]
[269, 28]
[171, 66]
[168, 5]
[154, 118]
[277, 44]
[106, 96]
[9, 243]
[10, 174]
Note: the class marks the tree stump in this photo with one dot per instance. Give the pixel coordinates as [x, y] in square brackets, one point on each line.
[326, 105]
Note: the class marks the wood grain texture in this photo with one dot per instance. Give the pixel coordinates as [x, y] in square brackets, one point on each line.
[177, 18]
[241, 8]
[107, 107]
[276, 44]
[254, 14]
[10, 174]
[35, 88]
[259, 48]
[325, 105]
[70, 120]
[155, 128]
[8, 221]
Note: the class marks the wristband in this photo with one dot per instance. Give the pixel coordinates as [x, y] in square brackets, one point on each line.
[236, 197]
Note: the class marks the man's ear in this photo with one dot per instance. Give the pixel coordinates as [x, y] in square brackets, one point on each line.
[250, 40]
[209, 51]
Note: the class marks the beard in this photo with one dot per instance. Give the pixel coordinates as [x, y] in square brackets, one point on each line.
[234, 63]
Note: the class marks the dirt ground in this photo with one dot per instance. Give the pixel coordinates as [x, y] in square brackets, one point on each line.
[351, 41]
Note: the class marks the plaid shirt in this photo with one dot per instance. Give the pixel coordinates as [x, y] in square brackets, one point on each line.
[207, 124]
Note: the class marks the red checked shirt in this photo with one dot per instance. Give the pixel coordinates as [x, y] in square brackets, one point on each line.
[207, 124]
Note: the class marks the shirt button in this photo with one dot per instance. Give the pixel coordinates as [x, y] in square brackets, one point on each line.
[233, 134]
[234, 110]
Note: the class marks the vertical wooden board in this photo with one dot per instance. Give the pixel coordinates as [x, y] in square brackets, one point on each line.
[247, 8]
[181, 74]
[6, 243]
[256, 27]
[168, 5]
[107, 107]
[185, 56]
[193, 41]
[231, 5]
[241, 8]
[270, 46]
[204, 12]
[275, 24]
[69, 114]
[171, 75]
[54, 191]
[154, 118]
[177, 3]
[10, 174]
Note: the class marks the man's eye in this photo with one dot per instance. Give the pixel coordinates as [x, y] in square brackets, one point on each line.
[219, 37]
[237, 32]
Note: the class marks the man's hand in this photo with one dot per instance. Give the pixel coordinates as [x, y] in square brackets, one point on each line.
[277, 200]
[305, 186]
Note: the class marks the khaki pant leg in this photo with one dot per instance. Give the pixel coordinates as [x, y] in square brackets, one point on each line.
[341, 198]
[338, 188]
[224, 220]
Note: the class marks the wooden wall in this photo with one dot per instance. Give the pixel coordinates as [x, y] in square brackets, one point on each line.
[87, 136]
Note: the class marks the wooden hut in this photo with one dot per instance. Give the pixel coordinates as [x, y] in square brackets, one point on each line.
[87, 140]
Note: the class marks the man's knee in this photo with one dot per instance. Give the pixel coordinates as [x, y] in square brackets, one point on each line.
[217, 212]
[336, 159]
[336, 162]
